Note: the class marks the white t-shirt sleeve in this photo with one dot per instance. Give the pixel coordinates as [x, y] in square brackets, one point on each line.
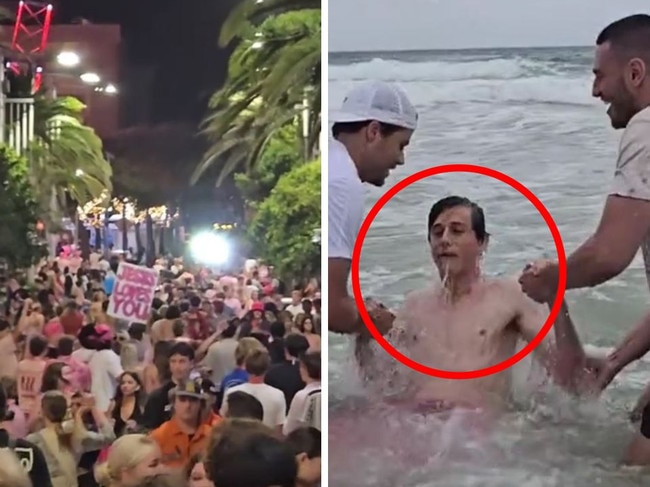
[345, 214]
[114, 365]
[223, 411]
[632, 176]
[294, 418]
[281, 406]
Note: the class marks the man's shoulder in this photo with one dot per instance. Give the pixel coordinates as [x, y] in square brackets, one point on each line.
[637, 132]
[341, 168]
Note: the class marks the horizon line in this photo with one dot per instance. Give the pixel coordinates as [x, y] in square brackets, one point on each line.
[438, 49]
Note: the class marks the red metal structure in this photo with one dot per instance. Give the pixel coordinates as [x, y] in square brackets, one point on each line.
[29, 39]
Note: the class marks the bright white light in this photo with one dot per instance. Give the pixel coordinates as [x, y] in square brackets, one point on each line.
[257, 44]
[90, 78]
[68, 59]
[110, 89]
[211, 249]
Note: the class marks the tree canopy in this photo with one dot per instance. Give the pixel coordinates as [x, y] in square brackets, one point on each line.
[286, 221]
[19, 243]
[66, 159]
[273, 81]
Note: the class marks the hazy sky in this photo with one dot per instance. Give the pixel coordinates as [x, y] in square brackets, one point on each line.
[369, 25]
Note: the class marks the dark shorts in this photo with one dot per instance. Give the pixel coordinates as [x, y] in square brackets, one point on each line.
[645, 422]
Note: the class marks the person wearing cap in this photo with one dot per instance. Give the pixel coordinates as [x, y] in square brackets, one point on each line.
[370, 132]
[158, 408]
[187, 433]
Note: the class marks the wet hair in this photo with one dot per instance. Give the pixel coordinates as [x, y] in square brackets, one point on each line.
[477, 215]
[244, 405]
[385, 129]
[629, 35]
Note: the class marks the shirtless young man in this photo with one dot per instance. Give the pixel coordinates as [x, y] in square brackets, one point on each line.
[468, 323]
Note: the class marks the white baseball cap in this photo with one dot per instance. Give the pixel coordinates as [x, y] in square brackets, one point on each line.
[377, 100]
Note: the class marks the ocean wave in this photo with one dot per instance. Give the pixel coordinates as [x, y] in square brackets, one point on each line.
[491, 69]
[542, 90]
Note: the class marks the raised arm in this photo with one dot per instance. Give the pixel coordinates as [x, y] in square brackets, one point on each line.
[563, 355]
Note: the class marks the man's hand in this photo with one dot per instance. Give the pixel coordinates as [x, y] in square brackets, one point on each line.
[381, 316]
[539, 281]
[606, 369]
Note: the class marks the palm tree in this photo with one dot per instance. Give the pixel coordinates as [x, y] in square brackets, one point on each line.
[67, 166]
[249, 13]
[274, 79]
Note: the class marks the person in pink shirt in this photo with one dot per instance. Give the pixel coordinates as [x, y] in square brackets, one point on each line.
[30, 376]
[77, 373]
[53, 331]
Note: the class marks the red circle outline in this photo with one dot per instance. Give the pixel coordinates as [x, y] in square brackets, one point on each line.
[433, 171]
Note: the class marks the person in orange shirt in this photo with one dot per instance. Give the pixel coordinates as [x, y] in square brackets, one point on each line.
[209, 414]
[187, 432]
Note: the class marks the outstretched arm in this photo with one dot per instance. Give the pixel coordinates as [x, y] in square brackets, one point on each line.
[377, 368]
[564, 357]
[634, 346]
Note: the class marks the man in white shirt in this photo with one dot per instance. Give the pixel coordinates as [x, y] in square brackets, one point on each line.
[295, 308]
[370, 132]
[622, 80]
[257, 363]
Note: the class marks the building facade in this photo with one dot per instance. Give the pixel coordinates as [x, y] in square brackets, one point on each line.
[98, 48]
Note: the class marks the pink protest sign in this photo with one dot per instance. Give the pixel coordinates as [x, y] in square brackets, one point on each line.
[133, 293]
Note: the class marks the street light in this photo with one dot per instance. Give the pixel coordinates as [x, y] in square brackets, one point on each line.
[68, 59]
[90, 78]
[110, 89]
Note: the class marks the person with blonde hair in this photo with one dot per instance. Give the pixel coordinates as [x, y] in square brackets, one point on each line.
[239, 375]
[132, 461]
[12, 473]
[63, 442]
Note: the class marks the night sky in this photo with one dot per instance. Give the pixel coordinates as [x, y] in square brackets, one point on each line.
[171, 59]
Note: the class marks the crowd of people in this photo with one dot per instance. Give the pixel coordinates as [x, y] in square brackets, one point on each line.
[224, 375]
